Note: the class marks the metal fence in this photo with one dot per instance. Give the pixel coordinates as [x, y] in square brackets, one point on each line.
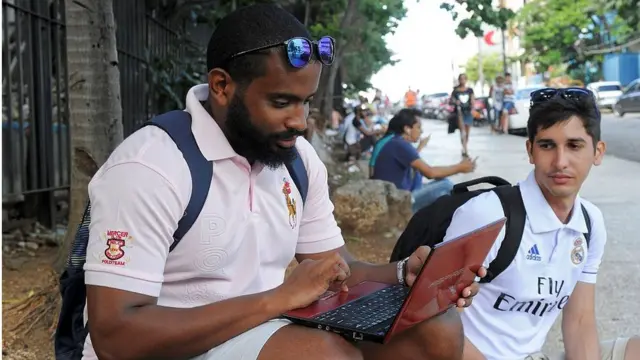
[35, 132]
[35, 142]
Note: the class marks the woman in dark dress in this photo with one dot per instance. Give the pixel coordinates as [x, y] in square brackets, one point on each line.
[463, 99]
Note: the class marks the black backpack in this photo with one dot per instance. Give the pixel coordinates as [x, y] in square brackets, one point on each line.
[71, 331]
[429, 225]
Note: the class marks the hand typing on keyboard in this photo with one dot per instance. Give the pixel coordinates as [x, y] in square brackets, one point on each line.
[311, 278]
[418, 258]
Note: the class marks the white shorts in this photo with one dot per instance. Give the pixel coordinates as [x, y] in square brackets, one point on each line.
[245, 346]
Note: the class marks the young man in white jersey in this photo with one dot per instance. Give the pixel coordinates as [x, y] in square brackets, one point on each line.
[555, 267]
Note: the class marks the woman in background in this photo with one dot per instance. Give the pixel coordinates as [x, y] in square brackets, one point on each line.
[463, 99]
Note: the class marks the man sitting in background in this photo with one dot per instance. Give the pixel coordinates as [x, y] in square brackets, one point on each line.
[397, 161]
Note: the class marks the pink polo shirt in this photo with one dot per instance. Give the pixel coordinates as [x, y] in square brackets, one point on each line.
[251, 226]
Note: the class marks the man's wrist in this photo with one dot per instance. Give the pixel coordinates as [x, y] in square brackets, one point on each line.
[275, 301]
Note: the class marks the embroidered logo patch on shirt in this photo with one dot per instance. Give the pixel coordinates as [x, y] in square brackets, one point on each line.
[290, 202]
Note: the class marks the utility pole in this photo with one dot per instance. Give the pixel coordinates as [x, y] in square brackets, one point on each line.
[504, 41]
[480, 67]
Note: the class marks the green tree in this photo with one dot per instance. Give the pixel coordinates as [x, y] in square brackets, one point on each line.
[551, 29]
[628, 12]
[367, 52]
[361, 50]
[480, 12]
[357, 25]
[491, 67]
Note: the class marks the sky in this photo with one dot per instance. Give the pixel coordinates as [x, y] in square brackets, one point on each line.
[426, 45]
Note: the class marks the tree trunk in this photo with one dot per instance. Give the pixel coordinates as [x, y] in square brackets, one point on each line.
[95, 113]
[307, 12]
[327, 106]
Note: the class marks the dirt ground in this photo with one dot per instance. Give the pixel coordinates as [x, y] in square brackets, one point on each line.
[24, 274]
[27, 273]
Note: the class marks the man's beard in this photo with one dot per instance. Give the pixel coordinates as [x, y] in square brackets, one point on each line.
[253, 144]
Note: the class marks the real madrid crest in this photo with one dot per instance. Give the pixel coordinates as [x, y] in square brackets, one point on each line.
[577, 254]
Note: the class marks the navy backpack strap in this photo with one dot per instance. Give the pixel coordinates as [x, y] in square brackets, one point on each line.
[177, 124]
[298, 173]
[514, 210]
[587, 220]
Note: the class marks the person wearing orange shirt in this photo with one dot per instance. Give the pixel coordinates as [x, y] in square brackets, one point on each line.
[410, 99]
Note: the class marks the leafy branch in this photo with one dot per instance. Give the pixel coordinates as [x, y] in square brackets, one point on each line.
[481, 12]
[172, 77]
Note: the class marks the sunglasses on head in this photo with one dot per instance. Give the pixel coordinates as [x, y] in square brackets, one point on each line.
[300, 50]
[572, 93]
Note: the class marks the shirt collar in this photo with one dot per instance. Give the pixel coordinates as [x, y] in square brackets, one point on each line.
[210, 139]
[539, 213]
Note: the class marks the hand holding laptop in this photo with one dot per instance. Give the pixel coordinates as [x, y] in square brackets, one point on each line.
[417, 260]
[312, 278]
[439, 279]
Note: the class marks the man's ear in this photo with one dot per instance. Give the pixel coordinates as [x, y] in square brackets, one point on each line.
[221, 87]
[530, 151]
[601, 148]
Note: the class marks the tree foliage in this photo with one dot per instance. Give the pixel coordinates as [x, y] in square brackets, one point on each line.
[491, 67]
[365, 51]
[555, 32]
[551, 28]
[481, 12]
[627, 11]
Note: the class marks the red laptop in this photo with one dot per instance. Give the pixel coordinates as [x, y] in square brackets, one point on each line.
[376, 312]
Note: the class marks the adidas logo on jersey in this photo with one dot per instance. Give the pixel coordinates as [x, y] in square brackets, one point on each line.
[534, 254]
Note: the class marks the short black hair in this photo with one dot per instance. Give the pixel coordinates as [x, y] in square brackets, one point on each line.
[507, 74]
[556, 110]
[249, 28]
[405, 117]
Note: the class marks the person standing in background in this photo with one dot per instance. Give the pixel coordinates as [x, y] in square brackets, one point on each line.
[496, 93]
[410, 99]
[462, 97]
[508, 102]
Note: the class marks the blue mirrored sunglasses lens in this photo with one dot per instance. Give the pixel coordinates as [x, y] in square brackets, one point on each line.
[299, 52]
[325, 48]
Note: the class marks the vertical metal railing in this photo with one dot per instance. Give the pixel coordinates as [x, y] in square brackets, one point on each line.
[35, 132]
[34, 123]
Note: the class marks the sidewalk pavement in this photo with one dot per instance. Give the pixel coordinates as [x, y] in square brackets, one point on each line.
[613, 187]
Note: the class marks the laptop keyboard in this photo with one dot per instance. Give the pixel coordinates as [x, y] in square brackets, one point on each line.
[368, 311]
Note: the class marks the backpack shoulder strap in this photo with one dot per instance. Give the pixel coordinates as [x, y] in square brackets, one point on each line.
[177, 124]
[587, 220]
[298, 172]
[513, 207]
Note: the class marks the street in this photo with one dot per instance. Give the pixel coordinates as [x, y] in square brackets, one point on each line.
[622, 136]
[612, 187]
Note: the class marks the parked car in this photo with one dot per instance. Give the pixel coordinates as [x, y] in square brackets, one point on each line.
[432, 104]
[606, 92]
[629, 101]
[519, 116]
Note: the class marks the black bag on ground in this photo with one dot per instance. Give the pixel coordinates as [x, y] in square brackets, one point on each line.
[429, 225]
